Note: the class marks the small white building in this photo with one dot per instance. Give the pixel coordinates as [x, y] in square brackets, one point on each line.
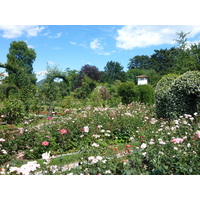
[142, 80]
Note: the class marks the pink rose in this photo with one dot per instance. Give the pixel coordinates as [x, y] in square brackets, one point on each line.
[63, 131]
[45, 143]
[177, 140]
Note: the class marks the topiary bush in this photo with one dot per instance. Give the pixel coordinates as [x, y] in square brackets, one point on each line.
[129, 92]
[146, 94]
[161, 95]
[184, 95]
[175, 96]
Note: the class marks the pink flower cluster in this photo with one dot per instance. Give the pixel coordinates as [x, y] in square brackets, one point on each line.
[45, 143]
[63, 131]
[177, 140]
[198, 134]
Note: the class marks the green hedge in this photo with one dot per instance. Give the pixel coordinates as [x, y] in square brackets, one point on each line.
[175, 96]
[146, 94]
[161, 95]
[129, 92]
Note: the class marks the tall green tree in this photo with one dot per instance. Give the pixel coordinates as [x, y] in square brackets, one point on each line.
[113, 71]
[19, 67]
[195, 53]
[185, 60]
[20, 62]
[163, 60]
[139, 62]
[72, 76]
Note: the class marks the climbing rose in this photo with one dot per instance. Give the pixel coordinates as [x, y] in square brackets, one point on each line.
[45, 143]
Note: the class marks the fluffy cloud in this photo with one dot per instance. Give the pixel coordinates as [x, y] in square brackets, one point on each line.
[15, 31]
[95, 44]
[130, 37]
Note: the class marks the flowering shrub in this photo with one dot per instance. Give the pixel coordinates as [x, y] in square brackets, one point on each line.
[150, 145]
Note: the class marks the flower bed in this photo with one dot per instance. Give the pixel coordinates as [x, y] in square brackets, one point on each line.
[151, 146]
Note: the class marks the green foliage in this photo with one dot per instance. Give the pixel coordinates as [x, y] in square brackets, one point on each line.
[164, 60]
[161, 95]
[113, 71]
[127, 140]
[139, 62]
[13, 111]
[96, 97]
[175, 96]
[153, 76]
[67, 102]
[184, 95]
[87, 86]
[129, 92]
[19, 64]
[146, 94]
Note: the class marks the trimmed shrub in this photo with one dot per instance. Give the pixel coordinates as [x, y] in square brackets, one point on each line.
[129, 92]
[184, 95]
[176, 96]
[146, 94]
[161, 94]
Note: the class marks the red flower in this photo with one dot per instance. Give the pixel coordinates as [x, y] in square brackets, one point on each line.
[127, 146]
[141, 136]
[63, 131]
[45, 143]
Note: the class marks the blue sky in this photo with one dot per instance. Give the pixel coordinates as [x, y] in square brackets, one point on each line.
[73, 46]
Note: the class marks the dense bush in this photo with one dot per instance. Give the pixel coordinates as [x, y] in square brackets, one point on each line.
[175, 96]
[13, 111]
[184, 95]
[146, 94]
[161, 95]
[129, 92]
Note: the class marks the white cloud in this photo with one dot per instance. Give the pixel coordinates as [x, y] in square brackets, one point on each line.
[51, 63]
[42, 73]
[31, 47]
[73, 43]
[104, 53]
[95, 44]
[56, 36]
[130, 36]
[15, 31]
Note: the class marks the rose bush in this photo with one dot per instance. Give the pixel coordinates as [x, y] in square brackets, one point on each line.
[150, 145]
